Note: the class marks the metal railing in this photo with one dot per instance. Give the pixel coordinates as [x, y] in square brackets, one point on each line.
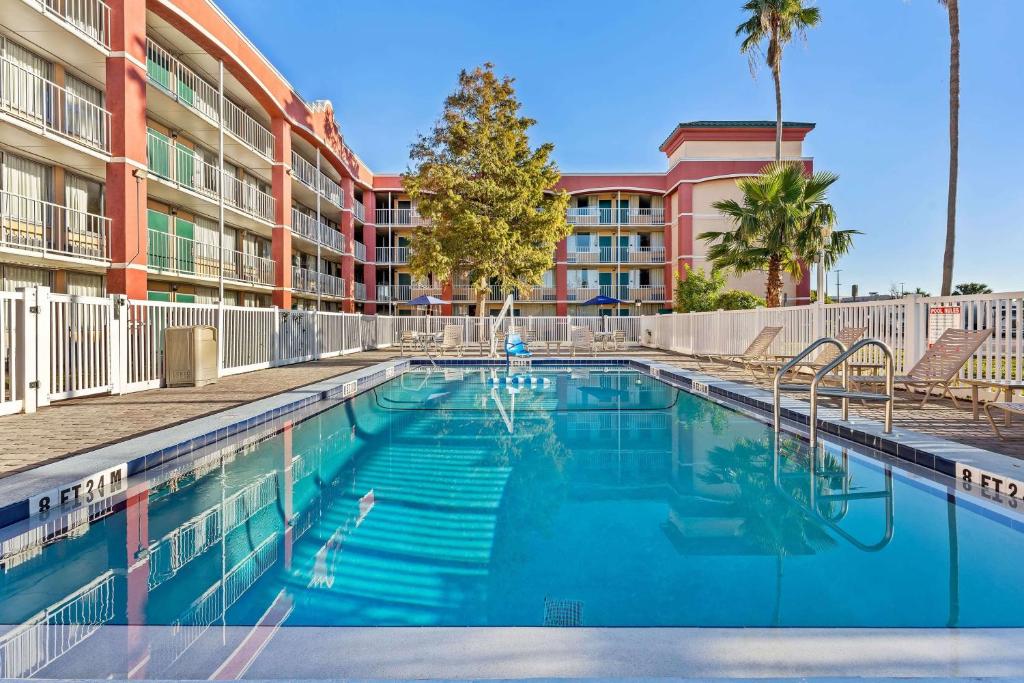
[643, 255]
[359, 251]
[332, 238]
[307, 280]
[181, 83]
[305, 225]
[642, 293]
[400, 217]
[45, 227]
[91, 18]
[180, 165]
[393, 255]
[184, 256]
[331, 190]
[248, 198]
[248, 130]
[611, 216]
[358, 210]
[54, 109]
[360, 291]
[384, 292]
[304, 171]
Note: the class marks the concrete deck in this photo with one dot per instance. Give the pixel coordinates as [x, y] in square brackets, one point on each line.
[77, 425]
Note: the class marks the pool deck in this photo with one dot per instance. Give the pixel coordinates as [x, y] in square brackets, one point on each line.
[74, 426]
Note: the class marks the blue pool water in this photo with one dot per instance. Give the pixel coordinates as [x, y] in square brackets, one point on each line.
[592, 496]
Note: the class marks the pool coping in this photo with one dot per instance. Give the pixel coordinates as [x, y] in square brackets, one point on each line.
[153, 449]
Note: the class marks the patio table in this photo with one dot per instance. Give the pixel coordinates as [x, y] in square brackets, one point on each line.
[1004, 386]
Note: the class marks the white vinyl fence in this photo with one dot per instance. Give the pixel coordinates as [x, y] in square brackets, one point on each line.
[56, 346]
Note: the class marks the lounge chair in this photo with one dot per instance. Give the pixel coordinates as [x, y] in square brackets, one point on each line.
[847, 336]
[408, 340]
[582, 338]
[1008, 408]
[939, 365]
[617, 341]
[452, 340]
[756, 354]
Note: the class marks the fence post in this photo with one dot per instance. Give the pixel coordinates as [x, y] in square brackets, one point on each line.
[914, 336]
[818, 321]
[119, 344]
[33, 360]
[275, 342]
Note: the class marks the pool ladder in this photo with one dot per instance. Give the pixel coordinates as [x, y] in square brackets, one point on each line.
[842, 392]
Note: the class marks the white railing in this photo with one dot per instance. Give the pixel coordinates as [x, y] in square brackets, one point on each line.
[180, 166]
[332, 238]
[10, 336]
[303, 171]
[145, 323]
[400, 217]
[80, 329]
[181, 83]
[542, 294]
[248, 198]
[248, 130]
[359, 251]
[54, 109]
[643, 255]
[242, 267]
[305, 225]
[610, 216]
[358, 209]
[331, 285]
[360, 291]
[331, 190]
[306, 280]
[385, 292]
[45, 227]
[394, 255]
[91, 18]
[642, 293]
[303, 279]
[168, 253]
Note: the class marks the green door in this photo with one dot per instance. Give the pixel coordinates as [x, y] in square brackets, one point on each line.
[605, 242]
[158, 73]
[158, 251]
[623, 292]
[623, 248]
[158, 296]
[158, 153]
[605, 211]
[624, 211]
[605, 281]
[185, 165]
[185, 256]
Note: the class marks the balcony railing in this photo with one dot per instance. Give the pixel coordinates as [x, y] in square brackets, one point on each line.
[646, 293]
[591, 255]
[248, 130]
[358, 210]
[609, 216]
[332, 239]
[303, 171]
[359, 251]
[180, 165]
[644, 255]
[305, 225]
[384, 292]
[181, 82]
[360, 291]
[331, 190]
[91, 18]
[47, 105]
[184, 256]
[394, 255]
[616, 255]
[306, 280]
[248, 198]
[401, 217]
[45, 227]
[542, 294]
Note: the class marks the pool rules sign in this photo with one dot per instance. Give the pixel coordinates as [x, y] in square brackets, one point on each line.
[91, 489]
[941, 317]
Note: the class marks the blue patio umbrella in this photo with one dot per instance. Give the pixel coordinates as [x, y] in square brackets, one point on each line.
[602, 300]
[427, 300]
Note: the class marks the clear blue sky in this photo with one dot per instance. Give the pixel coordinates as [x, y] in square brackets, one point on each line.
[607, 81]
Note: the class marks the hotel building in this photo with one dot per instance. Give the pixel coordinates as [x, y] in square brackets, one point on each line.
[147, 148]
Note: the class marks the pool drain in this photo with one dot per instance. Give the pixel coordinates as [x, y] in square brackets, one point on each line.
[563, 612]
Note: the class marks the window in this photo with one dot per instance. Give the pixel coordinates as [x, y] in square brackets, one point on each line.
[83, 111]
[24, 81]
[26, 185]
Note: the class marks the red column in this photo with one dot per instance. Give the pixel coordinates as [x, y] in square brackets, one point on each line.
[136, 563]
[287, 493]
[561, 278]
[684, 231]
[370, 240]
[670, 280]
[281, 237]
[125, 192]
[348, 229]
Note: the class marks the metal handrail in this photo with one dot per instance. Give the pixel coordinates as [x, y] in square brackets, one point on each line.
[843, 358]
[792, 363]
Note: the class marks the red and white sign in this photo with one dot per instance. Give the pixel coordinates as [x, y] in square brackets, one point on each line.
[940, 318]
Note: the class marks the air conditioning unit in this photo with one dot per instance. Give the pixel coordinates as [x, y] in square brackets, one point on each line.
[190, 356]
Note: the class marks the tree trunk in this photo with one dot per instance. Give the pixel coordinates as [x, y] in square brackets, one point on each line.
[777, 76]
[954, 143]
[773, 293]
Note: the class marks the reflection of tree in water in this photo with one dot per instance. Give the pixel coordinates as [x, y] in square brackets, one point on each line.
[710, 413]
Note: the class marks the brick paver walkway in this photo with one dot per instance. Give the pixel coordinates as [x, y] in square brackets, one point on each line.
[69, 427]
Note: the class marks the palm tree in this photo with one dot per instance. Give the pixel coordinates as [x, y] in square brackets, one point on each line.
[775, 22]
[953, 10]
[968, 288]
[779, 226]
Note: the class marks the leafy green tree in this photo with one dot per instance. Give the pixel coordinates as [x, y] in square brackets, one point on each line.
[778, 226]
[493, 215]
[698, 292]
[953, 11]
[967, 288]
[739, 300]
[768, 28]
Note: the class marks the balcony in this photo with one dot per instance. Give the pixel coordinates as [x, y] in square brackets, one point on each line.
[306, 280]
[191, 90]
[646, 293]
[89, 18]
[359, 251]
[384, 292]
[393, 255]
[331, 191]
[644, 255]
[360, 291]
[591, 255]
[306, 226]
[610, 216]
[542, 294]
[168, 253]
[43, 104]
[303, 171]
[399, 217]
[47, 228]
[181, 167]
[359, 210]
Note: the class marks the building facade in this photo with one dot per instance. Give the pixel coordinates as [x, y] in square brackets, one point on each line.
[148, 149]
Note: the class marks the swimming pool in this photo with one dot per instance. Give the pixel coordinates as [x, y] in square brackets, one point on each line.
[572, 496]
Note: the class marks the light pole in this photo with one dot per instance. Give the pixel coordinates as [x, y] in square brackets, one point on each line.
[838, 270]
[826, 236]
